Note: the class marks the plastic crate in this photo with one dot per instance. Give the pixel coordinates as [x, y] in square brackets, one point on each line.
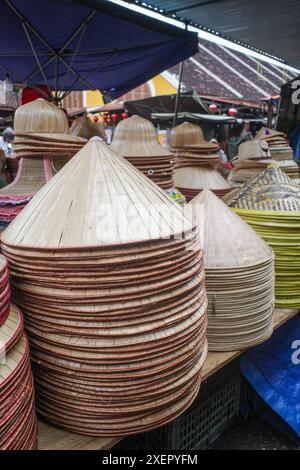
[212, 412]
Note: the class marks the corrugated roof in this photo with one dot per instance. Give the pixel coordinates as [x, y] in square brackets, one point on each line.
[219, 71]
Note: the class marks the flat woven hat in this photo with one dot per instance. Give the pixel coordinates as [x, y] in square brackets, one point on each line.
[136, 137]
[96, 185]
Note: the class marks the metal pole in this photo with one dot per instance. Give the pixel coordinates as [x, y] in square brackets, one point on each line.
[178, 94]
[178, 90]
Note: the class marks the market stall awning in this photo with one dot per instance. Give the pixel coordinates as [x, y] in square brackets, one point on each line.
[271, 26]
[188, 102]
[86, 44]
[204, 118]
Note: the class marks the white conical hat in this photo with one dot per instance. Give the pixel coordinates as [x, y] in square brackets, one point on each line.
[98, 198]
[199, 178]
[136, 137]
[228, 241]
[40, 116]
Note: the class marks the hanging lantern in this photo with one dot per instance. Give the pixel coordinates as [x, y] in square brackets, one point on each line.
[95, 118]
[213, 107]
[104, 118]
[232, 112]
[125, 115]
[114, 117]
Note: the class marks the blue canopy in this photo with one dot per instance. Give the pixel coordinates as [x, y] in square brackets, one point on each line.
[86, 44]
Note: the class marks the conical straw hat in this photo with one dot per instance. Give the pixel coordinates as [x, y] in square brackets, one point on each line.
[136, 137]
[254, 149]
[199, 178]
[186, 134]
[272, 189]
[97, 198]
[40, 116]
[237, 244]
[266, 133]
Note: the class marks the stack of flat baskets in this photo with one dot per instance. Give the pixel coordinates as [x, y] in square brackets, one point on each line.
[271, 205]
[110, 276]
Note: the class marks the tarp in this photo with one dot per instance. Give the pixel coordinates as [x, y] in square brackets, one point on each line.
[86, 44]
[273, 370]
[188, 102]
[270, 26]
[204, 118]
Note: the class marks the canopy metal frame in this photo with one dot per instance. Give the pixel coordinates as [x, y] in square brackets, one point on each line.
[59, 56]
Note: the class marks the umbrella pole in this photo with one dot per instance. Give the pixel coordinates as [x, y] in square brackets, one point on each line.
[178, 90]
[178, 95]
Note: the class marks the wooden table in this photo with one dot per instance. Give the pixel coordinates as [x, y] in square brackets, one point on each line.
[216, 360]
[51, 438]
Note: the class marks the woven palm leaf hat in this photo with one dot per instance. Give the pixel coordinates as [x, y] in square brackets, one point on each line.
[271, 205]
[195, 159]
[254, 157]
[239, 277]
[135, 139]
[18, 430]
[278, 143]
[280, 150]
[42, 144]
[110, 276]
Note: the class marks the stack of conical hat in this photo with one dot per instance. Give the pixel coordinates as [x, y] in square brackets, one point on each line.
[195, 158]
[278, 144]
[190, 148]
[18, 430]
[192, 180]
[239, 277]
[110, 276]
[135, 139]
[254, 157]
[271, 205]
[43, 145]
